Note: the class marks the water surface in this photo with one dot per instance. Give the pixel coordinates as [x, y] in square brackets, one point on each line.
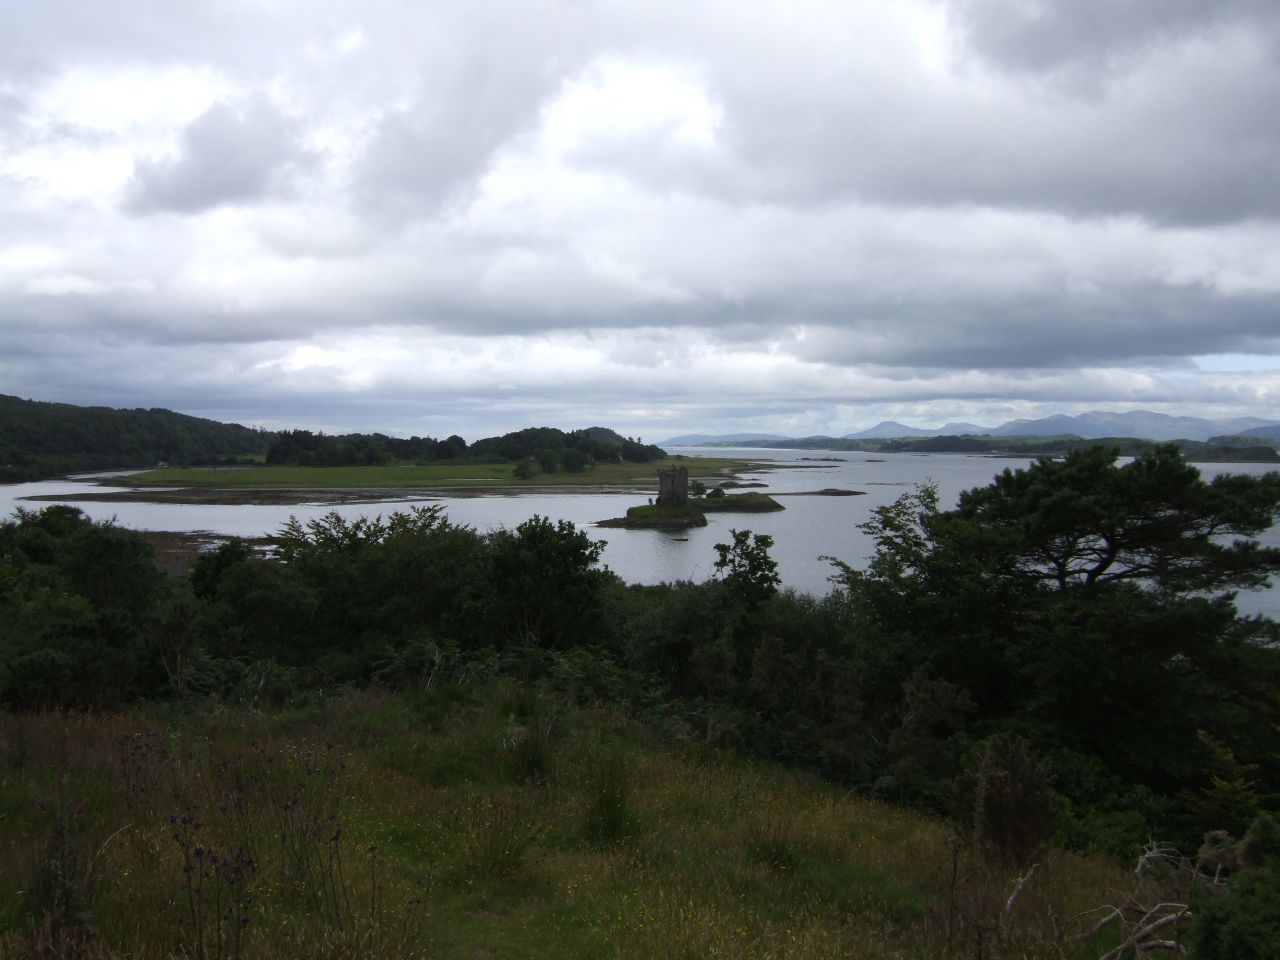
[809, 528]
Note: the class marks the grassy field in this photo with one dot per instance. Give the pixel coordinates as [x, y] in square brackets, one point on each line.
[429, 476]
[488, 821]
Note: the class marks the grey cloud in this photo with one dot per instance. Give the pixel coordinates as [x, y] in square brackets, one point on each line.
[229, 154]
[1183, 135]
[421, 156]
[413, 166]
[1086, 38]
[1133, 324]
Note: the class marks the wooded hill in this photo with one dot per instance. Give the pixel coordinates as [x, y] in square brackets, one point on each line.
[39, 439]
[547, 447]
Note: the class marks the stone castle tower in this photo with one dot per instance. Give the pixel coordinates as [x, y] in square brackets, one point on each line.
[673, 487]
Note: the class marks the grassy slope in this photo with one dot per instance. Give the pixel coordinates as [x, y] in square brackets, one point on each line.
[432, 475]
[528, 827]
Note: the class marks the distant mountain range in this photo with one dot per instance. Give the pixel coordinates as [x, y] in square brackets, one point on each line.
[702, 439]
[1140, 424]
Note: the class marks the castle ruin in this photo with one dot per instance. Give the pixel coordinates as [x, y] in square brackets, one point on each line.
[673, 487]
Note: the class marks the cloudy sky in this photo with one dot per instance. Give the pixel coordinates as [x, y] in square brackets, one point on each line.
[801, 217]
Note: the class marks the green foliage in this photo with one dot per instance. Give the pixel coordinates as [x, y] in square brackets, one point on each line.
[381, 583]
[67, 863]
[1051, 615]
[1069, 598]
[306, 449]
[546, 584]
[923, 749]
[1083, 521]
[1009, 802]
[499, 840]
[1244, 924]
[1230, 799]
[573, 451]
[206, 572]
[81, 600]
[746, 567]
[667, 515]
[45, 439]
[752, 502]
[609, 816]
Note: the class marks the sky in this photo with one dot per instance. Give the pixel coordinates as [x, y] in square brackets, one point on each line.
[798, 217]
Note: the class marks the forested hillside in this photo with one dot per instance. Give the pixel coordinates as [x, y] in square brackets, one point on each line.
[543, 448]
[40, 439]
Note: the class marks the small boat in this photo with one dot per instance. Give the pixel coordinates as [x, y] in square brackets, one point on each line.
[680, 539]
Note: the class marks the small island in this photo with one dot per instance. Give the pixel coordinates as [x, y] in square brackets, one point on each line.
[674, 509]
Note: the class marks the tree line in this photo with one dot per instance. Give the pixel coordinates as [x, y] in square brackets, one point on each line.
[544, 448]
[39, 440]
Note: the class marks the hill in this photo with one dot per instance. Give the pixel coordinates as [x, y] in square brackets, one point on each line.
[39, 439]
[1095, 425]
[1141, 424]
[720, 439]
[891, 428]
[1270, 432]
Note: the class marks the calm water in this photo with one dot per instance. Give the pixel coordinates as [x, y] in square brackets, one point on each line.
[809, 528]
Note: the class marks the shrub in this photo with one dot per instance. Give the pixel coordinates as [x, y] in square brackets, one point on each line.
[1010, 801]
[1244, 924]
[497, 843]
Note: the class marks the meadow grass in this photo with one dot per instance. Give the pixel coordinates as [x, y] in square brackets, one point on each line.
[354, 828]
[495, 475]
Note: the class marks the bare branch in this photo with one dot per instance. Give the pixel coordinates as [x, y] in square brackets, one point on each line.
[1018, 888]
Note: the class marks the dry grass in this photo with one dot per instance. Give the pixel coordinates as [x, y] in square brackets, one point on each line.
[372, 834]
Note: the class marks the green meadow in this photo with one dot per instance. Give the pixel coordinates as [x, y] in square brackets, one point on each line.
[425, 476]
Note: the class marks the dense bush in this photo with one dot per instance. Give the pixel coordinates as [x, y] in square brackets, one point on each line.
[80, 602]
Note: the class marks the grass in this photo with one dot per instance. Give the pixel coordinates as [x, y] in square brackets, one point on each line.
[209, 830]
[691, 514]
[738, 503]
[441, 475]
[652, 515]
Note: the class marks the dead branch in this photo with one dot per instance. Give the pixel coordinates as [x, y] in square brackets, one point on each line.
[1018, 888]
[1143, 938]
